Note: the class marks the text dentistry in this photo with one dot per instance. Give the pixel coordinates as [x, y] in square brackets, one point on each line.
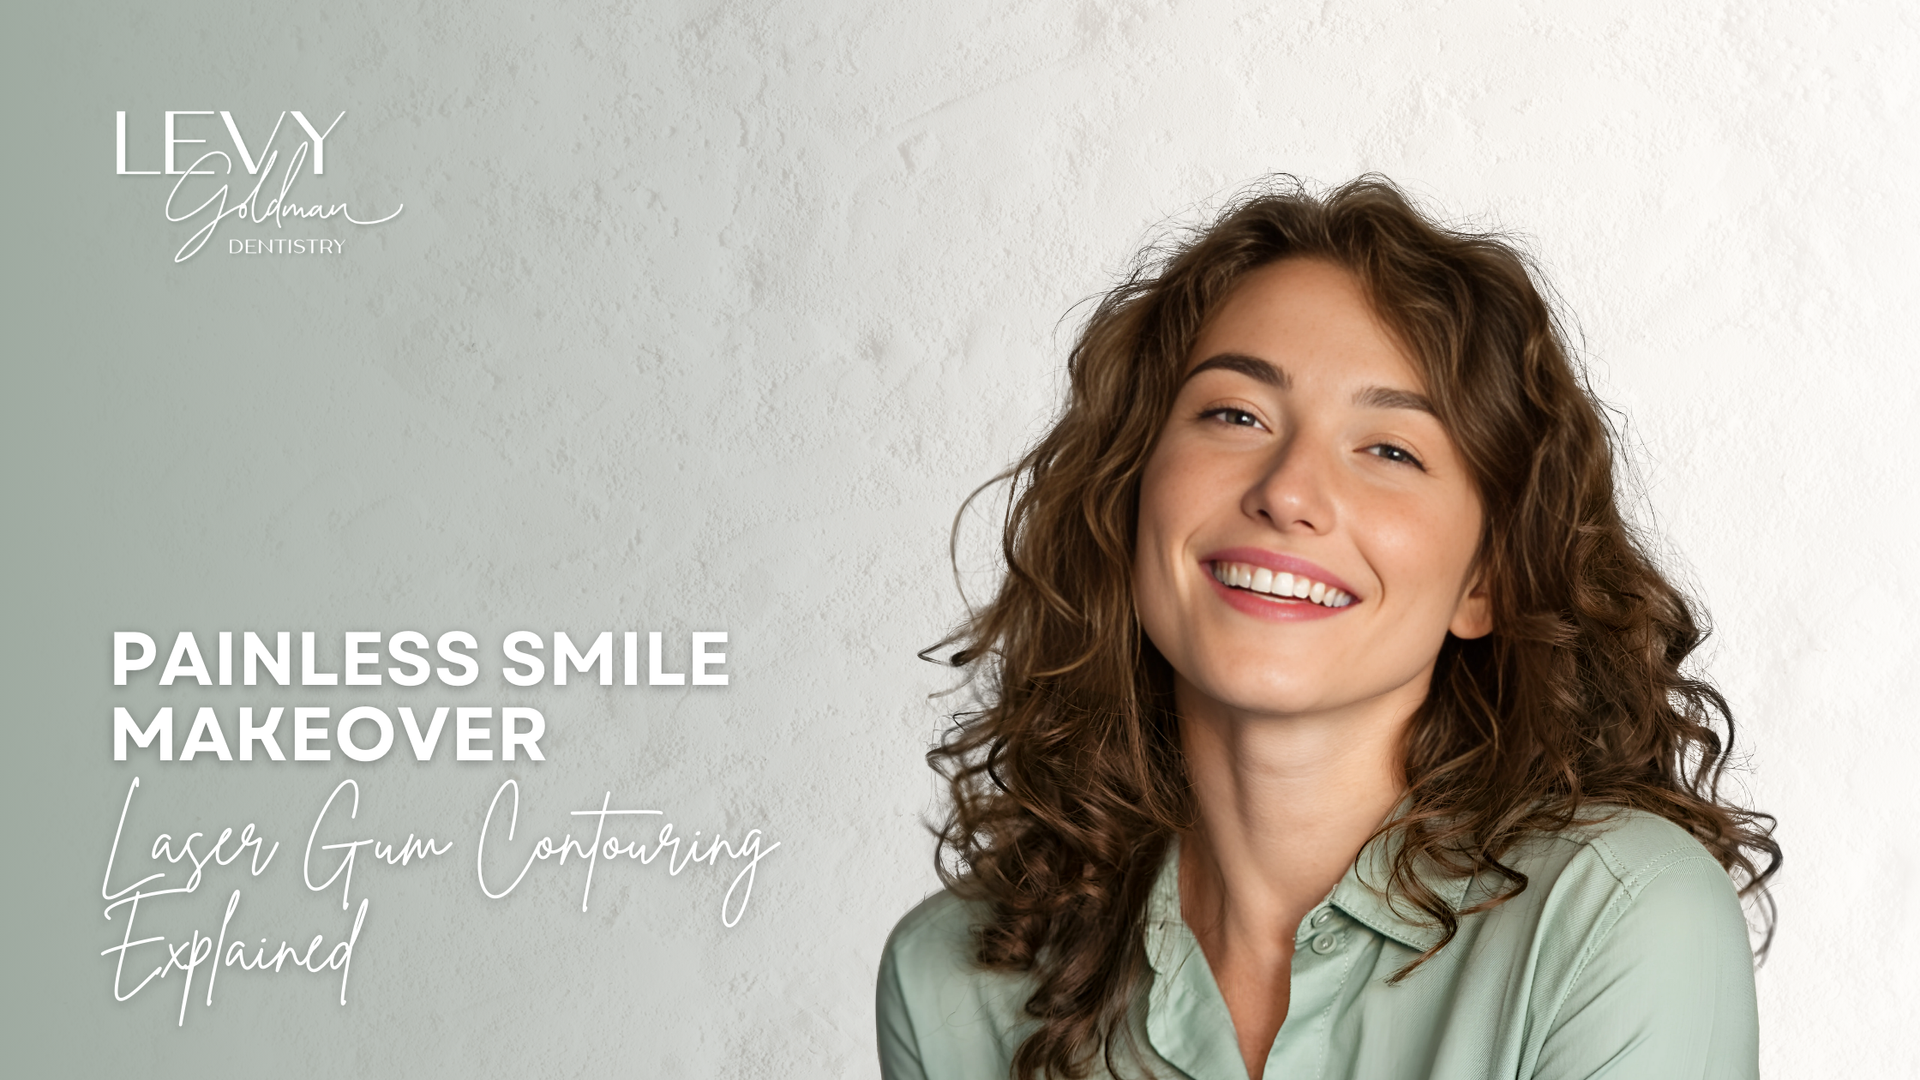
[280, 245]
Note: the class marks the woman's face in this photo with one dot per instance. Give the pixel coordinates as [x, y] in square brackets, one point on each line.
[1301, 456]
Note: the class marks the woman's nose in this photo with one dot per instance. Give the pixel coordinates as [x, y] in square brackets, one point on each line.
[1294, 490]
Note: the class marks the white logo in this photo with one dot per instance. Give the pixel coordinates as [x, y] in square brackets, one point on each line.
[258, 161]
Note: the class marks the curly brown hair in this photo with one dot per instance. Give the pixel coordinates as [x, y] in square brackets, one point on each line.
[1068, 781]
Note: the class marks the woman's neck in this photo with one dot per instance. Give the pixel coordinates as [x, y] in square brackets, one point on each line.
[1285, 804]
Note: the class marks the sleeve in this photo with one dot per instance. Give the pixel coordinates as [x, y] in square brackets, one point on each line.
[1665, 993]
[899, 1046]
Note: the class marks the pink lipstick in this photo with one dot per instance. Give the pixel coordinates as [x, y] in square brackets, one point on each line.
[1269, 585]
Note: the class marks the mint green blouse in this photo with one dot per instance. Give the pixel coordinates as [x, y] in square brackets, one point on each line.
[1626, 956]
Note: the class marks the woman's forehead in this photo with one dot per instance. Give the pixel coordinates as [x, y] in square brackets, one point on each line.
[1307, 319]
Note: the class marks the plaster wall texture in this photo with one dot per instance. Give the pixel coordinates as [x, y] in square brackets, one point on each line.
[708, 316]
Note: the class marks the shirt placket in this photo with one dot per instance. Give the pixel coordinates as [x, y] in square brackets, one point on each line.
[1324, 949]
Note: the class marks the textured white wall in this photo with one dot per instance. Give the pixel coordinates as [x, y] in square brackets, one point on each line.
[707, 315]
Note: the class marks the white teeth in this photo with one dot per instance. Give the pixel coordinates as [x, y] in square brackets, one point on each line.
[1263, 580]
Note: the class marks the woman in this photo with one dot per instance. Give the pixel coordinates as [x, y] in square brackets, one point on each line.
[1333, 721]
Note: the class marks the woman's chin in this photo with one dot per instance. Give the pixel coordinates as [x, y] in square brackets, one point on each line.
[1262, 701]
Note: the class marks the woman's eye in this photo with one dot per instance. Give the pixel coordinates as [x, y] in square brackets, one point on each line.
[1396, 454]
[1229, 415]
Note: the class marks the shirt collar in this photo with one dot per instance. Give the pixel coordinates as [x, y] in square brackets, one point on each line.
[1184, 1006]
[1361, 893]
[1185, 1009]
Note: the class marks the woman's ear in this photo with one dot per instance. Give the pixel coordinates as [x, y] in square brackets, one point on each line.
[1474, 616]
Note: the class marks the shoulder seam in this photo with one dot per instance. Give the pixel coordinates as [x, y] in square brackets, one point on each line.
[1683, 847]
[1637, 878]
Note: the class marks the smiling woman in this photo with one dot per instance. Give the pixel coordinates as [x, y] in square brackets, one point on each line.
[1332, 720]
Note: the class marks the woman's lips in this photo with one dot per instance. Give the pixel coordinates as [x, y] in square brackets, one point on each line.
[1269, 585]
[1278, 563]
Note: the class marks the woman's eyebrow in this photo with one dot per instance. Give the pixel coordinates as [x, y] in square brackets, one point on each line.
[1251, 366]
[1266, 371]
[1381, 397]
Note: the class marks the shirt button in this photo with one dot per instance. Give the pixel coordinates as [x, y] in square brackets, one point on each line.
[1320, 917]
[1325, 944]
